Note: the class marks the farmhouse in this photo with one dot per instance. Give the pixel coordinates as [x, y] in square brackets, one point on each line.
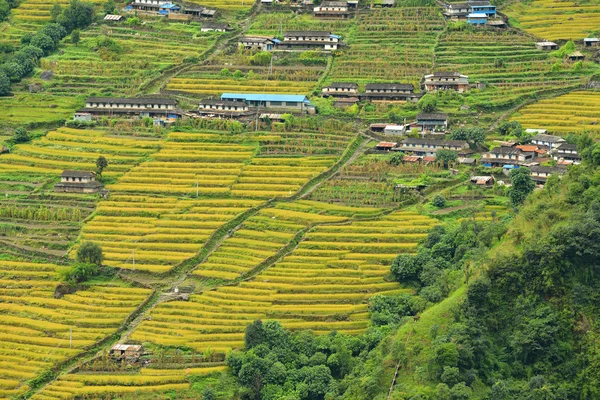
[126, 351]
[226, 108]
[390, 91]
[340, 89]
[478, 19]
[289, 102]
[482, 7]
[446, 81]
[434, 122]
[142, 107]
[394, 129]
[256, 43]
[457, 11]
[546, 46]
[215, 27]
[576, 56]
[540, 174]
[547, 140]
[303, 40]
[332, 9]
[503, 156]
[385, 146]
[168, 8]
[567, 152]
[147, 5]
[78, 182]
[429, 147]
[591, 42]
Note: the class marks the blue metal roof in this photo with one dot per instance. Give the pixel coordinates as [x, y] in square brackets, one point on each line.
[335, 36]
[509, 166]
[276, 40]
[170, 6]
[298, 98]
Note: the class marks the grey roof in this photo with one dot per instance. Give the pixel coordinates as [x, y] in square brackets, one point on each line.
[458, 5]
[125, 100]
[230, 103]
[547, 138]
[390, 86]
[479, 3]
[567, 146]
[444, 74]
[77, 174]
[435, 142]
[506, 150]
[259, 39]
[215, 25]
[435, 116]
[334, 4]
[308, 33]
[547, 170]
[345, 85]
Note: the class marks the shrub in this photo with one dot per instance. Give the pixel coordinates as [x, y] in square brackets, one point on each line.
[4, 84]
[21, 135]
[438, 201]
[428, 103]
[90, 252]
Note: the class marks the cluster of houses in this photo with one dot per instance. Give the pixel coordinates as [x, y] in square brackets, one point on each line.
[477, 13]
[185, 12]
[430, 123]
[294, 40]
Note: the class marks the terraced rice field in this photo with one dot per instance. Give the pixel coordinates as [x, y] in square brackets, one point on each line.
[77, 149]
[322, 285]
[573, 112]
[35, 328]
[394, 44]
[35, 108]
[265, 234]
[226, 5]
[144, 52]
[147, 380]
[163, 210]
[38, 11]
[555, 20]
[524, 72]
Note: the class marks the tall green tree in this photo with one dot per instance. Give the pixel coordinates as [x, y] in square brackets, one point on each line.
[4, 84]
[521, 185]
[90, 252]
[21, 135]
[446, 156]
[101, 164]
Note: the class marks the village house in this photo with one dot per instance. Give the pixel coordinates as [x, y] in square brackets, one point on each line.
[197, 11]
[483, 7]
[576, 56]
[394, 129]
[78, 182]
[226, 108]
[147, 5]
[390, 92]
[429, 147]
[547, 140]
[506, 156]
[477, 19]
[591, 42]
[567, 152]
[142, 107]
[126, 351]
[168, 8]
[385, 146]
[332, 9]
[307, 40]
[340, 89]
[457, 11]
[432, 122]
[261, 43]
[446, 81]
[539, 174]
[546, 46]
[214, 27]
[483, 180]
[284, 102]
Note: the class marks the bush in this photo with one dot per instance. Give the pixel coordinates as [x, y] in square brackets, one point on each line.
[4, 84]
[21, 135]
[90, 252]
[80, 272]
[427, 103]
[261, 58]
[438, 201]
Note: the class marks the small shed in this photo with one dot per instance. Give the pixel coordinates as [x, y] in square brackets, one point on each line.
[126, 351]
[485, 180]
[591, 42]
[113, 18]
[394, 129]
[467, 161]
[576, 56]
[378, 127]
[82, 116]
[385, 146]
[411, 159]
[546, 46]
[477, 19]
[428, 159]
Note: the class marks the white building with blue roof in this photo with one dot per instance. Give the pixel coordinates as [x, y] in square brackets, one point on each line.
[279, 102]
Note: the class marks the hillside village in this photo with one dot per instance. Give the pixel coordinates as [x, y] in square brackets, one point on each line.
[298, 199]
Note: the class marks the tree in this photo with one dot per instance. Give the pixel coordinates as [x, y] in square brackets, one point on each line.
[438, 201]
[446, 156]
[4, 10]
[76, 15]
[208, 394]
[405, 268]
[4, 84]
[427, 103]
[55, 31]
[80, 272]
[109, 7]
[44, 42]
[55, 11]
[254, 334]
[396, 159]
[21, 135]
[75, 37]
[521, 185]
[101, 163]
[90, 252]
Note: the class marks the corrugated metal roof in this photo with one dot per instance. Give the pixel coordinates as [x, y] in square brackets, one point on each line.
[111, 17]
[299, 98]
[124, 347]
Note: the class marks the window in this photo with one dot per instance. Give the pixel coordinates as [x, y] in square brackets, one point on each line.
[276, 103]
